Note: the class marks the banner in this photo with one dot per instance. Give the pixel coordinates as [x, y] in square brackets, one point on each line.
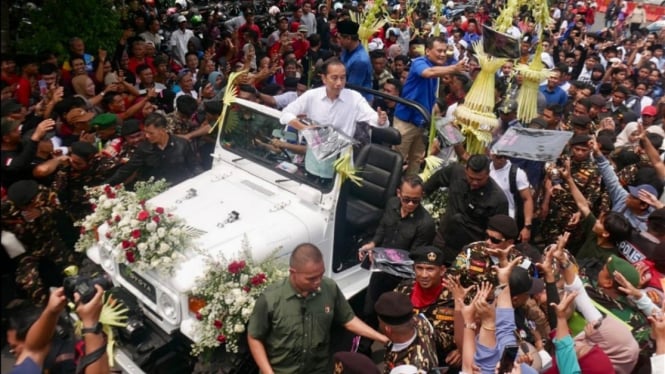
[531, 144]
[498, 44]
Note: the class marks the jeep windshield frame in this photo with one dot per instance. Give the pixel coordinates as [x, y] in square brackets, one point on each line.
[249, 127]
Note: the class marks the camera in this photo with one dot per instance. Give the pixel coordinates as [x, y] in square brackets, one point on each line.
[85, 286]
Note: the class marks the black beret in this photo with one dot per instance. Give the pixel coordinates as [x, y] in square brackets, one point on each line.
[580, 121]
[394, 308]
[213, 107]
[354, 363]
[22, 192]
[580, 139]
[520, 282]
[505, 225]
[130, 126]
[427, 255]
[83, 149]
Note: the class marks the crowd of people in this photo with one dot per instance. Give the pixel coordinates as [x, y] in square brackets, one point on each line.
[565, 260]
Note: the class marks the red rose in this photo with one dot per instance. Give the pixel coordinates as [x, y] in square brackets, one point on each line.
[108, 235]
[199, 316]
[107, 189]
[246, 289]
[136, 234]
[156, 219]
[110, 195]
[258, 279]
[118, 218]
[126, 244]
[221, 339]
[159, 210]
[93, 206]
[82, 231]
[130, 256]
[218, 324]
[236, 267]
[142, 202]
[143, 215]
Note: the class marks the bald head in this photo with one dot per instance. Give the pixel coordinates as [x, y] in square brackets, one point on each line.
[305, 253]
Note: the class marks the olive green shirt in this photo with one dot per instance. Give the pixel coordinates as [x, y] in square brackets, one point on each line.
[295, 330]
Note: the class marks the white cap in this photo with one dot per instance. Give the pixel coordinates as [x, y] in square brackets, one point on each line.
[274, 10]
[182, 19]
[450, 4]
[404, 369]
[464, 44]
[338, 6]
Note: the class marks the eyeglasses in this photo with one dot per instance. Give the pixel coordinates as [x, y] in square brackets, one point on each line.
[411, 200]
[494, 240]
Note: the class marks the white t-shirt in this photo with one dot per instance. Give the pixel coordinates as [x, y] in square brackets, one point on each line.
[501, 177]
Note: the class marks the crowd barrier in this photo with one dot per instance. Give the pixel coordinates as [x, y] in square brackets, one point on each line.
[654, 12]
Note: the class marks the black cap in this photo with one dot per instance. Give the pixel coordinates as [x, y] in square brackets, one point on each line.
[538, 123]
[83, 149]
[213, 107]
[347, 27]
[22, 192]
[520, 282]
[427, 255]
[130, 127]
[606, 143]
[580, 139]
[394, 308]
[505, 225]
[354, 363]
[629, 116]
[580, 121]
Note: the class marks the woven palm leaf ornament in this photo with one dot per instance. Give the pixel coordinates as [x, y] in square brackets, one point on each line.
[476, 116]
[533, 73]
[369, 22]
[228, 99]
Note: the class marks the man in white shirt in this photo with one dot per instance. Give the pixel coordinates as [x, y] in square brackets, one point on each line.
[332, 105]
[179, 40]
[152, 34]
[500, 171]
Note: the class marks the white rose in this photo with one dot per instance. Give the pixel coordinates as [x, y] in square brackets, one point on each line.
[161, 232]
[176, 231]
[239, 328]
[134, 222]
[151, 226]
[163, 247]
[142, 247]
[228, 299]
[245, 313]
[244, 278]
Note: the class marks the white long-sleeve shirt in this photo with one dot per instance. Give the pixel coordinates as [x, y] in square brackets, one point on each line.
[342, 113]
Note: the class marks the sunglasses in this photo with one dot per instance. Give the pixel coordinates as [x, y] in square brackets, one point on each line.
[411, 200]
[494, 240]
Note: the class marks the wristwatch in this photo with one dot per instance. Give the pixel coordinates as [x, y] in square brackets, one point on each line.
[96, 329]
[528, 227]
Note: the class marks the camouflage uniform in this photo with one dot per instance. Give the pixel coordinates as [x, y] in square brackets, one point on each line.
[177, 125]
[421, 353]
[441, 314]
[70, 183]
[474, 265]
[562, 205]
[41, 240]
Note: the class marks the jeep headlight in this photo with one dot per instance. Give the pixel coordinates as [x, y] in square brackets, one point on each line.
[168, 306]
[106, 258]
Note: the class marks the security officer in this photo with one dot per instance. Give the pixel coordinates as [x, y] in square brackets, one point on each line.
[29, 213]
[433, 300]
[411, 339]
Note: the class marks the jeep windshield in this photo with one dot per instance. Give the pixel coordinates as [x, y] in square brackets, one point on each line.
[253, 132]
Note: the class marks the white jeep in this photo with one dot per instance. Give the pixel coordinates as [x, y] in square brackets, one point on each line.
[276, 205]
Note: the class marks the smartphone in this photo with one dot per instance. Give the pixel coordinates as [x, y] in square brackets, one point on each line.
[508, 359]
[43, 87]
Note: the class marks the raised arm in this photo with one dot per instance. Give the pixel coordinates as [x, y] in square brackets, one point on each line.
[580, 200]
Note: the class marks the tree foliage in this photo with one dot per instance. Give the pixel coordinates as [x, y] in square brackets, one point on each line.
[56, 21]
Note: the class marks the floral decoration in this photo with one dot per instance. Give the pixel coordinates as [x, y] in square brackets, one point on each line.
[229, 290]
[142, 236]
